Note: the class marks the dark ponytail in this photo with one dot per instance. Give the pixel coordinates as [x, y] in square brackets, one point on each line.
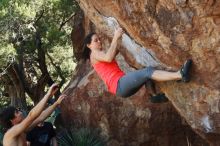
[86, 50]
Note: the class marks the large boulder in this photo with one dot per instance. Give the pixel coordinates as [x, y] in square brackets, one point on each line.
[163, 34]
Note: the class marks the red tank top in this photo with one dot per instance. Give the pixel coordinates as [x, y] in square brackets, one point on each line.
[110, 73]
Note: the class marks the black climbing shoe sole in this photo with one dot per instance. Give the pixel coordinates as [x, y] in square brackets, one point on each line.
[159, 98]
[184, 71]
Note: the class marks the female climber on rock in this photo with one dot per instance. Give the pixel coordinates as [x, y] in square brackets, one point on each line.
[117, 82]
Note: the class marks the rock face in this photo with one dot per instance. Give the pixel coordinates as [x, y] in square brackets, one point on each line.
[163, 34]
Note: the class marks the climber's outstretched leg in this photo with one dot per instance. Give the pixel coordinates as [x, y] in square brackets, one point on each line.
[182, 74]
[131, 82]
[160, 75]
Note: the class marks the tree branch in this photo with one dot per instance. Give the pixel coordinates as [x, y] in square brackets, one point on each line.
[65, 21]
[58, 69]
[42, 59]
[41, 15]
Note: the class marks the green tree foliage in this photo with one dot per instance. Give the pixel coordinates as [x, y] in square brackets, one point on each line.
[37, 35]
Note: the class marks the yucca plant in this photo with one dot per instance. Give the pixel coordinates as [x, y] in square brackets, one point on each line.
[81, 137]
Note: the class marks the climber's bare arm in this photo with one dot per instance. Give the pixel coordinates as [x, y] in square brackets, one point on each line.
[111, 52]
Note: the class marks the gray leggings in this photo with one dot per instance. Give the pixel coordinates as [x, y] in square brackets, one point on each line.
[131, 82]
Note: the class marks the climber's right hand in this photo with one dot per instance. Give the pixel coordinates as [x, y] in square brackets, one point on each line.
[118, 32]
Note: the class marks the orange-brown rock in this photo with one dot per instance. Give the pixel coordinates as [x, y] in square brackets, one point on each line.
[160, 33]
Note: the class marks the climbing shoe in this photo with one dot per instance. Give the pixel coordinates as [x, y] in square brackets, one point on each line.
[158, 98]
[184, 71]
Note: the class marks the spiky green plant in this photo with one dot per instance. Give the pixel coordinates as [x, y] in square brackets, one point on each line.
[81, 137]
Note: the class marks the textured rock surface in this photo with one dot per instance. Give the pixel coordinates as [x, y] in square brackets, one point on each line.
[160, 33]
